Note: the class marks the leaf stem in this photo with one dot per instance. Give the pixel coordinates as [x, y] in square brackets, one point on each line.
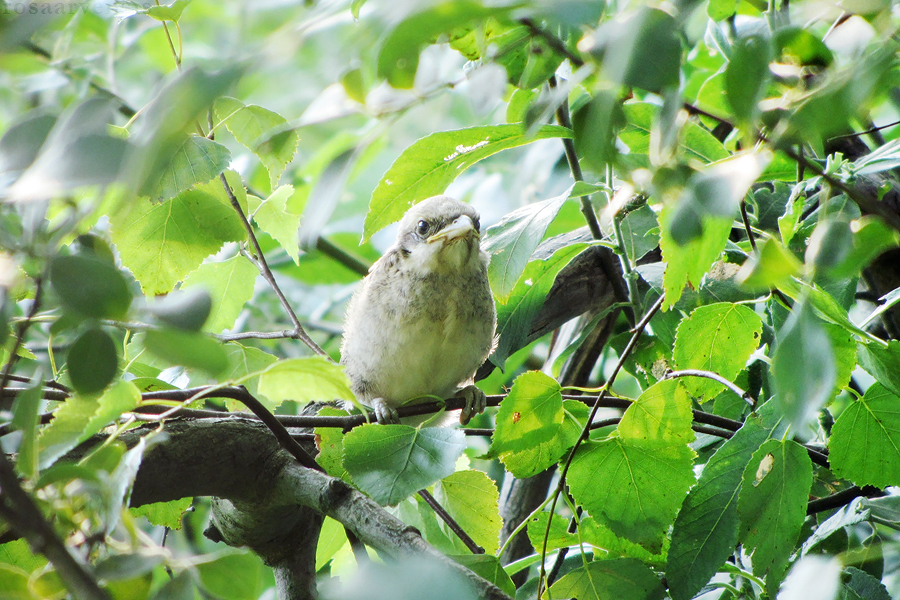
[266, 272]
[451, 523]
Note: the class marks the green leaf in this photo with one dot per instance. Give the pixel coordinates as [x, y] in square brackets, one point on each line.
[706, 528]
[531, 461]
[747, 75]
[14, 583]
[168, 12]
[532, 413]
[164, 514]
[187, 310]
[871, 237]
[229, 283]
[515, 318]
[195, 160]
[719, 10]
[305, 380]
[512, 241]
[80, 417]
[274, 216]
[803, 47]
[22, 141]
[697, 143]
[332, 538]
[595, 125]
[218, 576]
[471, 498]
[244, 361]
[801, 392]
[252, 126]
[161, 243]
[864, 586]
[620, 578]
[489, 568]
[640, 232]
[716, 192]
[882, 363]
[330, 443]
[390, 462]
[90, 286]
[688, 263]
[771, 266]
[25, 419]
[635, 480]
[398, 55]
[865, 440]
[719, 338]
[429, 165]
[772, 506]
[92, 361]
[188, 349]
[639, 49]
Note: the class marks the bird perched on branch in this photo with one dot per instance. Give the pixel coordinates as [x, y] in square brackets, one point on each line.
[423, 320]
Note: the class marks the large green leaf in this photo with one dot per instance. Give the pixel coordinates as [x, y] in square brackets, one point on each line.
[92, 361]
[686, 264]
[512, 241]
[747, 74]
[719, 338]
[635, 480]
[801, 392]
[865, 440]
[531, 413]
[398, 55]
[620, 578]
[639, 49]
[188, 349]
[275, 217]
[230, 285]
[714, 192]
[90, 286]
[882, 363]
[305, 380]
[541, 456]
[696, 142]
[515, 317]
[471, 498]
[488, 567]
[80, 417]
[161, 243]
[218, 575]
[390, 462]
[772, 505]
[429, 165]
[249, 125]
[22, 141]
[706, 528]
[195, 160]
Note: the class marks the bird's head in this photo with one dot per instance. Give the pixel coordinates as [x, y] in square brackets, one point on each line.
[440, 235]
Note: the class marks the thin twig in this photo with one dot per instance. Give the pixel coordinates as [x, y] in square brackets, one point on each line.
[715, 377]
[451, 522]
[20, 332]
[626, 352]
[747, 228]
[841, 498]
[267, 274]
[332, 250]
[554, 42]
[562, 117]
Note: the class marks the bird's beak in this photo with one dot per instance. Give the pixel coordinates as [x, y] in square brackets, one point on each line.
[460, 228]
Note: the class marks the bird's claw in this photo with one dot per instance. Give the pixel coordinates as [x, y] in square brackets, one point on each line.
[476, 402]
[385, 413]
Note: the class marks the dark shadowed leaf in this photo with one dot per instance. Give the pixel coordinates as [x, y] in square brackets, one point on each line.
[92, 361]
[90, 286]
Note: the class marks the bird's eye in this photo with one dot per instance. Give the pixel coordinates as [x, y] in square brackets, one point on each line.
[422, 227]
[477, 224]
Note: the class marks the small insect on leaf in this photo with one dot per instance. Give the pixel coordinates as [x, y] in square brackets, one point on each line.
[765, 465]
[516, 417]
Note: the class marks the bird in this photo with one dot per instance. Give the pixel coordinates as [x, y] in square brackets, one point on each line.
[423, 320]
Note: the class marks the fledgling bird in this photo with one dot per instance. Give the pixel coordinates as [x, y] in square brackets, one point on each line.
[423, 320]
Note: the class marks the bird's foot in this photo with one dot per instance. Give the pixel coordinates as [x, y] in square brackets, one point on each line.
[384, 412]
[476, 402]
